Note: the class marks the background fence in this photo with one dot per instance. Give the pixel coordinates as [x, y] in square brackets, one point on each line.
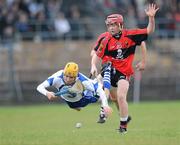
[25, 64]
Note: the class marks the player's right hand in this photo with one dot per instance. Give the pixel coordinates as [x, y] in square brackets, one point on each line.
[140, 66]
[51, 96]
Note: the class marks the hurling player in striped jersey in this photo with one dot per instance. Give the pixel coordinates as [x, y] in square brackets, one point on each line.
[116, 48]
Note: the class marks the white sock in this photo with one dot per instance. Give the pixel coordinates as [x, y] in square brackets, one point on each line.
[123, 118]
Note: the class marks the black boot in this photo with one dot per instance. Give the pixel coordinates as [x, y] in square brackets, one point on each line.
[123, 125]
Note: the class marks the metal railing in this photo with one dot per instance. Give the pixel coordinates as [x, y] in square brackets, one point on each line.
[89, 29]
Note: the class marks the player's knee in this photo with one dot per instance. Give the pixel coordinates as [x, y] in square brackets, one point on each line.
[121, 98]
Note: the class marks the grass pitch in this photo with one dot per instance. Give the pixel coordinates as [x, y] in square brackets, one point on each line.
[152, 124]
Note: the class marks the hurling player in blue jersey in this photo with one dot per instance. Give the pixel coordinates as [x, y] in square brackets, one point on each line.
[81, 90]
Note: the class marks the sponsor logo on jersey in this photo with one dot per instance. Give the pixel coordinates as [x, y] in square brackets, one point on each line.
[119, 54]
[100, 47]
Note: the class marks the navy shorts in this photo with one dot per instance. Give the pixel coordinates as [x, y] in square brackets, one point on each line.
[84, 101]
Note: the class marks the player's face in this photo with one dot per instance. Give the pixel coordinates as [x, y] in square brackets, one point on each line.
[69, 80]
[113, 28]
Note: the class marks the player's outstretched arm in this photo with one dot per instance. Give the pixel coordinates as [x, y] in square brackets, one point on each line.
[151, 12]
[42, 89]
[142, 64]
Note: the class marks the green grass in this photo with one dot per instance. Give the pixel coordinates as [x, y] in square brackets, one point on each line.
[152, 124]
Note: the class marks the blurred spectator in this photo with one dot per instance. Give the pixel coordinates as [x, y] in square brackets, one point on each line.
[8, 33]
[96, 8]
[22, 26]
[176, 14]
[35, 7]
[75, 22]
[22, 23]
[23, 6]
[52, 8]
[130, 20]
[3, 12]
[8, 22]
[43, 27]
[121, 6]
[108, 6]
[61, 25]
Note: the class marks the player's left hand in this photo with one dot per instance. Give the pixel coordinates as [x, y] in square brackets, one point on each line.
[94, 71]
[107, 110]
[151, 10]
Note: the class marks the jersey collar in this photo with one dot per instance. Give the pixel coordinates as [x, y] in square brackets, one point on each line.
[118, 35]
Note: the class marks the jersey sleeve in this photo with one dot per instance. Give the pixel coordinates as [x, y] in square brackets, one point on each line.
[137, 35]
[55, 79]
[98, 42]
[101, 43]
[42, 87]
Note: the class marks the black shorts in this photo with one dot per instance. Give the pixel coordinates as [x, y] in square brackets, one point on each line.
[115, 76]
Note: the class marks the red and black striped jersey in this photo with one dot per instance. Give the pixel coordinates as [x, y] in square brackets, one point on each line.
[120, 51]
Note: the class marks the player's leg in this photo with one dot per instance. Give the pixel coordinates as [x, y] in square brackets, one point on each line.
[106, 82]
[104, 113]
[102, 116]
[113, 96]
[122, 90]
